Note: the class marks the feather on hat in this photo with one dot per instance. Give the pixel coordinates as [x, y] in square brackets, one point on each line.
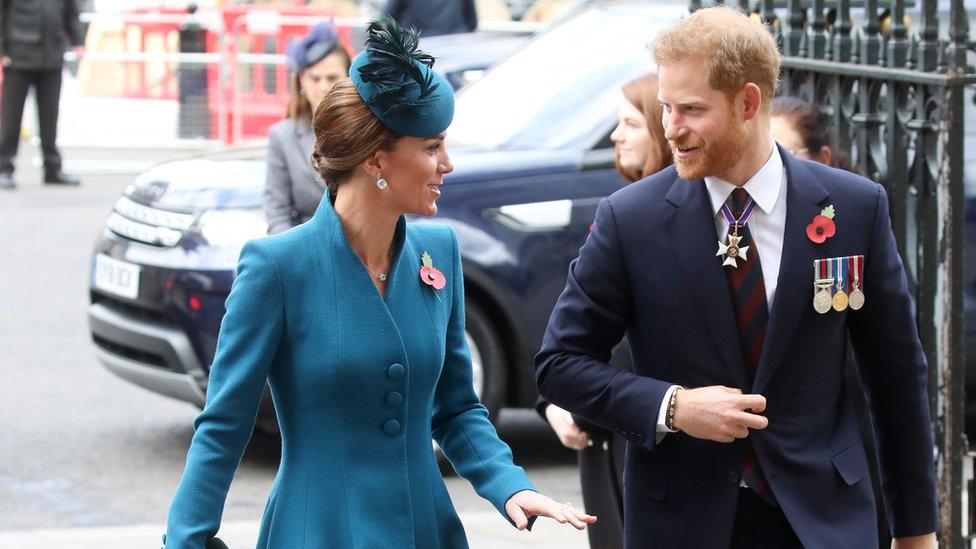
[398, 84]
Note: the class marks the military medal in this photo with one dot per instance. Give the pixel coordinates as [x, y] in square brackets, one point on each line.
[840, 280]
[856, 299]
[732, 249]
[822, 283]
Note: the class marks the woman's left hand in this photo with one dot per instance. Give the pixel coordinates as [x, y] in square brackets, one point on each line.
[527, 503]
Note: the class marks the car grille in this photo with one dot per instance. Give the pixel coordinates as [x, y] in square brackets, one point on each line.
[137, 355]
[141, 313]
[149, 225]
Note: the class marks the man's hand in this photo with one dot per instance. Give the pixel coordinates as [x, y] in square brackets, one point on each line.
[925, 541]
[566, 429]
[5, 61]
[718, 413]
[79, 51]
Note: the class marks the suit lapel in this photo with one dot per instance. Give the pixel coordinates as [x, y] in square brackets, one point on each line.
[691, 230]
[805, 197]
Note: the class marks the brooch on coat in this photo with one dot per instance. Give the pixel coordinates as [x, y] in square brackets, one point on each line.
[429, 274]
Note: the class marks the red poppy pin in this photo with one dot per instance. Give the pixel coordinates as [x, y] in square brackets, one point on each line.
[431, 276]
[822, 227]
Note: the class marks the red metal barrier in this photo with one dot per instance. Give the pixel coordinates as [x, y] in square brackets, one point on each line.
[157, 80]
[257, 94]
[243, 99]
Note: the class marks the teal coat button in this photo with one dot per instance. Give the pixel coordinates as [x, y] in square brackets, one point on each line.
[394, 398]
[391, 427]
[395, 372]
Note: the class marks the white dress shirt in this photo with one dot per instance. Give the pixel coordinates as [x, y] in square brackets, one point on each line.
[767, 224]
[767, 227]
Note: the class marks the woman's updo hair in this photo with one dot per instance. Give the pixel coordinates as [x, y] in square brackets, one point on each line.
[346, 134]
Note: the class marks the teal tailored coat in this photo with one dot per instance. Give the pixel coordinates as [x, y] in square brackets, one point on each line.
[360, 383]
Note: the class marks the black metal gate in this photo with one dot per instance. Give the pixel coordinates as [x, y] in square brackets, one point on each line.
[894, 89]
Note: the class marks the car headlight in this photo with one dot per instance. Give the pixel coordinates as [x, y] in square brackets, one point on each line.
[232, 227]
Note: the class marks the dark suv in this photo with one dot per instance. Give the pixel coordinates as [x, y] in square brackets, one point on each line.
[530, 143]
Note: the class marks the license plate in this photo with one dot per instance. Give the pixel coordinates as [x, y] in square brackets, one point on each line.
[117, 277]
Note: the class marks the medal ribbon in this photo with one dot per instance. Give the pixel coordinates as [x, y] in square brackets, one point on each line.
[852, 272]
[743, 219]
[840, 276]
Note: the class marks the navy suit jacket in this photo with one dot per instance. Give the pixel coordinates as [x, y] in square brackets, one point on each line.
[649, 269]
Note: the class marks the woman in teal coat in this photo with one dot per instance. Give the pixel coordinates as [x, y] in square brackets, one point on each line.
[356, 320]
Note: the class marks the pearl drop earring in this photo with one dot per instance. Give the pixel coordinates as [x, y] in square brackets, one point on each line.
[381, 183]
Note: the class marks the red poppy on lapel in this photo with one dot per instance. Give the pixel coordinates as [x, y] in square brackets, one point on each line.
[431, 276]
[822, 227]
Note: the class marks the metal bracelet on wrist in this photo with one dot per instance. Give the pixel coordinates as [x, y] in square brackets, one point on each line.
[669, 420]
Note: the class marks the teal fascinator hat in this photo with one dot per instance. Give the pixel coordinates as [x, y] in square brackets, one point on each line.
[397, 83]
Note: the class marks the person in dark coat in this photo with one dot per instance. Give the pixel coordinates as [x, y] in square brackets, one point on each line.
[640, 150]
[434, 17]
[739, 432]
[33, 37]
[292, 189]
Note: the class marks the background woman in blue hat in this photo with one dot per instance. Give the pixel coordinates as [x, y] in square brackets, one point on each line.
[292, 189]
[356, 321]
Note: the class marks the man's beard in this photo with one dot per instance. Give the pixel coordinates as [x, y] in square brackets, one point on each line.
[714, 158]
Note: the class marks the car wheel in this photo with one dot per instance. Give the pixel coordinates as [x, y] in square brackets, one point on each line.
[487, 358]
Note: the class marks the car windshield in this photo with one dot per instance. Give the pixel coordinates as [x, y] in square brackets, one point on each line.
[562, 91]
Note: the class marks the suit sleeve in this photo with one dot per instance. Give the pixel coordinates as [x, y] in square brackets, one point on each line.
[460, 423]
[572, 368]
[894, 375]
[72, 23]
[248, 340]
[279, 206]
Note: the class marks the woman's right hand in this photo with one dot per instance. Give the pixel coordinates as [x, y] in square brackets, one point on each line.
[566, 429]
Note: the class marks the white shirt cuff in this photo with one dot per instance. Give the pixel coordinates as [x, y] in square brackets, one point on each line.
[662, 415]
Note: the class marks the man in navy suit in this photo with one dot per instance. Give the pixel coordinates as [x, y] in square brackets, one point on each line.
[740, 274]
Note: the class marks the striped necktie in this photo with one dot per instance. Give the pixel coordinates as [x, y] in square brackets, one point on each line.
[751, 315]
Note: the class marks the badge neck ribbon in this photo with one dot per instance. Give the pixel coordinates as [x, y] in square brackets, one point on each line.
[730, 250]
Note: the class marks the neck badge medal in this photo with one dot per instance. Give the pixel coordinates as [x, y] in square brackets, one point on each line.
[732, 249]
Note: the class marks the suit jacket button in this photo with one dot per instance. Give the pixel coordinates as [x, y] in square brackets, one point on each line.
[391, 427]
[734, 477]
[393, 398]
[395, 371]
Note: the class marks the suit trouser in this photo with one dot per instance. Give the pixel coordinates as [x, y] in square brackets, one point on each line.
[760, 525]
[601, 479]
[47, 88]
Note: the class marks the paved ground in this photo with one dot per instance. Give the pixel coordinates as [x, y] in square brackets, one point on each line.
[87, 460]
